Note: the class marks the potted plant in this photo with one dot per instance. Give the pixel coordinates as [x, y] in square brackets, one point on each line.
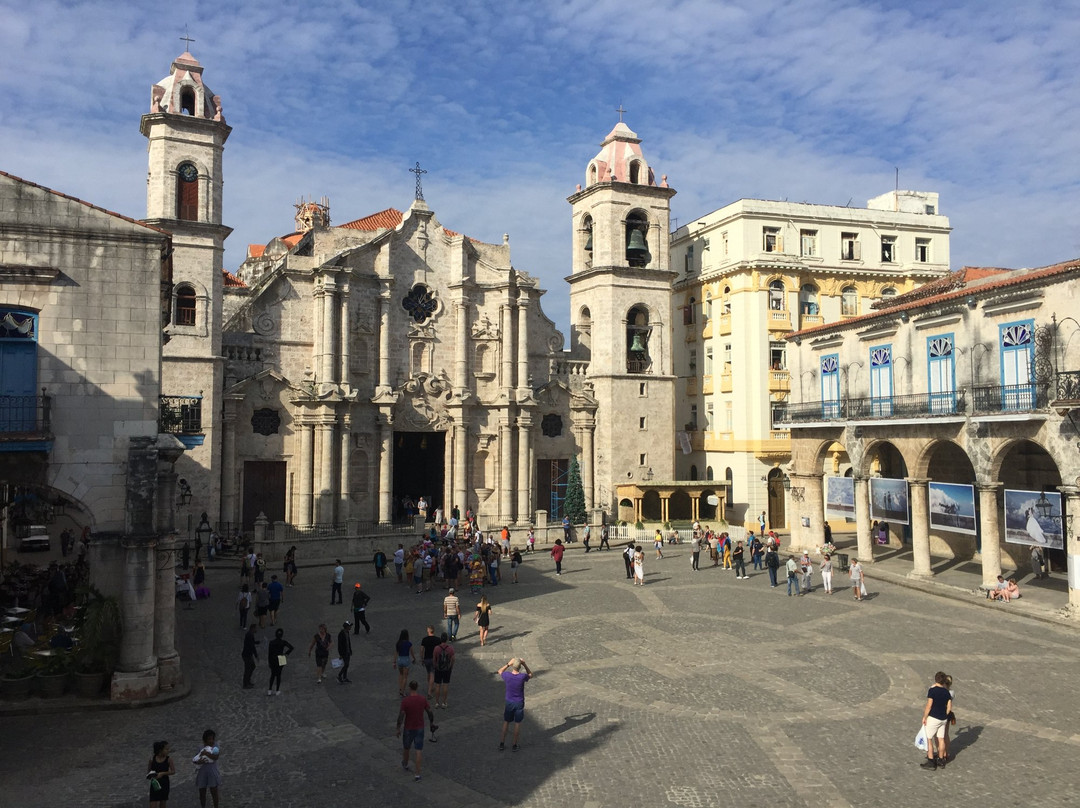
[99, 629]
[17, 680]
[52, 674]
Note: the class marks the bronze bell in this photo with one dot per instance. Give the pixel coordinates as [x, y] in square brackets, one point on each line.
[588, 242]
[637, 251]
[637, 344]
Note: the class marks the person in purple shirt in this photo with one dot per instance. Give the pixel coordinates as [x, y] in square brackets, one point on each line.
[515, 677]
[277, 594]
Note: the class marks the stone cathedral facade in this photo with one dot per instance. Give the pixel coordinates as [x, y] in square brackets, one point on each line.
[347, 368]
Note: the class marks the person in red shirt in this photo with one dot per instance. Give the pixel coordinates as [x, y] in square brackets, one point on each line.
[411, 719]
[557, 554]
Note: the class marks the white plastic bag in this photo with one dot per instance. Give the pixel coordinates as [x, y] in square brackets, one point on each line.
[920, 739]
[337, 663]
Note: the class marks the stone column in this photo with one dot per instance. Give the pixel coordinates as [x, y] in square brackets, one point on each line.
[346, 324]
[813, 505]
[990, 532]
[345, 461]
[307, 461]
[168, 660]
[588, 466]
[524, 438]
[1070, 494]
[318, 326]
[920, 527]
[329, 329]
[506, 380]
[230, 494]
[136, 669]
[386, 468]
[506, 471]
[523, 341]
[461, 466]
[326, 471]
[862, 521]
[461, 345]
[383, 380]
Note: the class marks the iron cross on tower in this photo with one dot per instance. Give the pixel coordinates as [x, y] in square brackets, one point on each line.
[186, 38]
[621, 111]
[419, 186]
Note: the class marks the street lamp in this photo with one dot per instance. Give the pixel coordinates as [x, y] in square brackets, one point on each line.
[1043, 505]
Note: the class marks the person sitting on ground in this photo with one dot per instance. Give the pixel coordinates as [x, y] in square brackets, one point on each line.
[999, 588]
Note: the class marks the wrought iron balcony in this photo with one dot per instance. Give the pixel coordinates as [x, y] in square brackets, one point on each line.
[25, 417]
[181, 415]
[920, 405]
[1008, 398]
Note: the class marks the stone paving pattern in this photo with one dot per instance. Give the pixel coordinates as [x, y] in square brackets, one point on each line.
[695, 690]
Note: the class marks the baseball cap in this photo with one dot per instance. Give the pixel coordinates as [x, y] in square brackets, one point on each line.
[346, 624]
[451, 590]
[357, 586]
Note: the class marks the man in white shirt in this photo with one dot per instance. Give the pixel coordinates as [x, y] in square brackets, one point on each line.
[399, 561]
[335, 584]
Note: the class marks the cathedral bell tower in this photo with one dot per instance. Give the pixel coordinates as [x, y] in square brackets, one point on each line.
[620, 301]
[186, 131]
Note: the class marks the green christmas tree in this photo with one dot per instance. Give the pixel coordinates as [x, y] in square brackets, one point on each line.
[574, 506]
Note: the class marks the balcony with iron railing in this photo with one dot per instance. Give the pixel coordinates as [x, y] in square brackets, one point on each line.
[981, 400]
[182, 416]
[26, 419]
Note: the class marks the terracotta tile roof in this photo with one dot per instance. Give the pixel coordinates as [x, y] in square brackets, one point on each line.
[84, 202]
[256, 250]
[232, 280]
[388, 219]
[292, 239]
[980, 281]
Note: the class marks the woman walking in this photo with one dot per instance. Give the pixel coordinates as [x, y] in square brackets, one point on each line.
[208, 777]
[807, 568]
[320, 643]
[158, 772]
[277, 653]
[826, 574]
[483, 618]
[290, 566]
[404, 657]
[658, 543]
[639, 566]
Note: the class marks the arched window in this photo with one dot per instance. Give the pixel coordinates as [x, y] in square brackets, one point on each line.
[849, 301]
[587, 239]
[888, 291]
[690, 312]
[592, 174]
[693, 472]
[808, 299]
[637, 340]
[726, 300]
[776, 296]
[708, 472]
[584, 329]
[187, 101]
[635, 172]
[637, 240]
[185, 305]
[729, 478]
[187, 192]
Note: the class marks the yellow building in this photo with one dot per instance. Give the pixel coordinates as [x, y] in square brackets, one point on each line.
[747, 275]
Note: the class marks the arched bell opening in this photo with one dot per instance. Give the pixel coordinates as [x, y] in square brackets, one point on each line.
[637, 340]
[637, 245]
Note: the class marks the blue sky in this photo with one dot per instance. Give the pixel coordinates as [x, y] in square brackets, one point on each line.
[505, 102]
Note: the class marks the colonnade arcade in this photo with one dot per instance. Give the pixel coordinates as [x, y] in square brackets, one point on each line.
[667, 501]
[1000, 464]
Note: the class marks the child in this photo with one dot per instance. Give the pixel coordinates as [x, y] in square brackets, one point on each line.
[208, 776]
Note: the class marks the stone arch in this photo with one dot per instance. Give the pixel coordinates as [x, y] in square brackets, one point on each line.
[705, 510]
[650, 507]
[626, 510]
[679, 506]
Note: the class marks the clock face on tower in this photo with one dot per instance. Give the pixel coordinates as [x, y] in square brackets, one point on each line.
[188, 172]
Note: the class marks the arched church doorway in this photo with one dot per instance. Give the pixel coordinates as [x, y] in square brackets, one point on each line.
[777, 502]
[418, 469]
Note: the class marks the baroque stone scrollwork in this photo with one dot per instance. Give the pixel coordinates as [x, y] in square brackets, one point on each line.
[483, 328]
[423, 405]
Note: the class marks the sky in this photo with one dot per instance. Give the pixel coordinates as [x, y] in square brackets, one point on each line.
[505, 102]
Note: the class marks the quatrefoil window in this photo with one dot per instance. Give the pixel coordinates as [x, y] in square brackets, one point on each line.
[420, 303]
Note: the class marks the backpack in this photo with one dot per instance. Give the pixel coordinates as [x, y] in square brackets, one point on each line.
[444, 661]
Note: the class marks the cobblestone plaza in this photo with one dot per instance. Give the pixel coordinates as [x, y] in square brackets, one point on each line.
[697, 689]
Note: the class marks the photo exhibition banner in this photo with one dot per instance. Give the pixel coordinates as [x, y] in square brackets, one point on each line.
[952, 507]
[889, 500]
[840, 498]
[1033, 517]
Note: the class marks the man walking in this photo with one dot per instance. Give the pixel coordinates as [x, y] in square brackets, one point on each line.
[443, 662]
[335, 584]
[772, 564]
[429, 644]
[514, 711]
[451, 609]
[344, 650]
[604, 538]
[628, 559]
[695, 550]
[935, 718]
[277, 595]
[411, 719]
[250, 655]
[360, 600]
[792, 575]
[399, 561]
